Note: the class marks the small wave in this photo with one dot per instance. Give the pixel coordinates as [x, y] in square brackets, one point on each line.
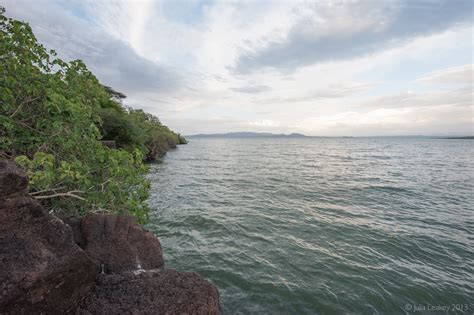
[385, 188]
[331, 226]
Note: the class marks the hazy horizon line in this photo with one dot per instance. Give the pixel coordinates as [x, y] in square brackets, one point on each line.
[332, 136]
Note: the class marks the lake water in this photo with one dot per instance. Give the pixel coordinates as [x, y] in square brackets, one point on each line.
[322, 225]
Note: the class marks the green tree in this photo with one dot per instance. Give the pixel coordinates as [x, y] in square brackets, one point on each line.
[51, 120]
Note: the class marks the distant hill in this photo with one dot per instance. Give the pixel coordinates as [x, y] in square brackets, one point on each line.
[456, 137]
[248, 135]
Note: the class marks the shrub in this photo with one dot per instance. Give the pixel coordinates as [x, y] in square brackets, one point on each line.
[53, 116]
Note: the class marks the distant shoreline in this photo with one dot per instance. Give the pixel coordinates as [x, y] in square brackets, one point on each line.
[456, 138]
[251, 135]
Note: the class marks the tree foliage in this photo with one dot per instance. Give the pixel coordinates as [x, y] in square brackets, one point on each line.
[54, 115]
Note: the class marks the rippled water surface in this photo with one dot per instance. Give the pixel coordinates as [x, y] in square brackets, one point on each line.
[321, 226]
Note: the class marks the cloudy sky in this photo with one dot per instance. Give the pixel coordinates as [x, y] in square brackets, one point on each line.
[350, 68]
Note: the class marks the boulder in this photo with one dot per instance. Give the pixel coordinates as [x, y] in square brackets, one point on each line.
[50, 267]
[41, 268]
[118, 243]
[13, 180]
[76, 225]
[160, 292]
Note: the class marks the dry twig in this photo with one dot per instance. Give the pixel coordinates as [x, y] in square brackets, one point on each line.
[71, 193]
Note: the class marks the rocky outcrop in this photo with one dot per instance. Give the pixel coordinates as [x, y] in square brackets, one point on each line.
[172, 144]
[182, 140]
[117, 243]
[159, 146]
[157, 292]
[100, 264]
[13, 180]
[156, 151]
[41, 268]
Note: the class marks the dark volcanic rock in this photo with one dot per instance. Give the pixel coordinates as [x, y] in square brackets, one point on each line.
[13, 180]
[44, 271]
[172, 144]
[119, 243]
[160, 292]
[76, 225]
[41, 268]
[156, 150]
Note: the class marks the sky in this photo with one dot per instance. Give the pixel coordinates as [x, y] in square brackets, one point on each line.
[323, 68]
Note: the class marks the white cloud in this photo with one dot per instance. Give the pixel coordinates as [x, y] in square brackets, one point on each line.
[358, 67]
[264, 123]
[462, 75]
[404, 113]
[343, 30]
[114, 61]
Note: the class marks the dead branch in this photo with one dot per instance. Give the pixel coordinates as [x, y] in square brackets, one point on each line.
[66, 194]
[46, 191]
[28, 100]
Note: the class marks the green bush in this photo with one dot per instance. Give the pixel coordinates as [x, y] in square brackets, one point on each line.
[133, 128]
[54, 115]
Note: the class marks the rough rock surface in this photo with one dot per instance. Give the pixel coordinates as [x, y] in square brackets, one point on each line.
[44, 271]
[13, 180]
[41, 268]
[172, 144]
[117, 243]
[156, 151]
[161, 292]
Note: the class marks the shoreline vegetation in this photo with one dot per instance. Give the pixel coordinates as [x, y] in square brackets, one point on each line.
[84, 151]
[73, 192]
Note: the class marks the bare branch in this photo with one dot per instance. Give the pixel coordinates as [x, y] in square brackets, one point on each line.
[46, 191]
[29, 127]
[66, 194]
[103, 184]
[28, 100]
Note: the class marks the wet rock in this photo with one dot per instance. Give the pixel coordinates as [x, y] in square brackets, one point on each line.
[41, 268]
[119, 243]
[160, 292]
